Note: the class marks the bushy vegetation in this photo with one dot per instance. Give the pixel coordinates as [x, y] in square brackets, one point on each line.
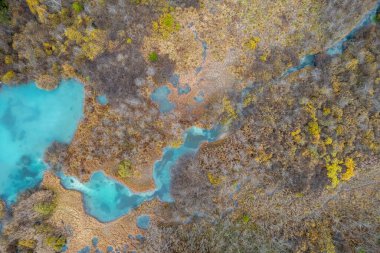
[125, 169]
[4, 11]
[28, 229]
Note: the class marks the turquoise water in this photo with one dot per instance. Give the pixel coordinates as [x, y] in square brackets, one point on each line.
[102, 100]
[181, 89]
[308, 60]
[160, 97]
[185, 89]
[106, 199]
[174, 80]
[30, 120]
[143, 222]
[200, 97]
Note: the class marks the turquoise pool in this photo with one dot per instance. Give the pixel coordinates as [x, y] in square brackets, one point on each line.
[30, 120]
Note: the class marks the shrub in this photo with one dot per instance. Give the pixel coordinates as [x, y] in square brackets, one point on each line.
[166, 25]
[27, 243]
[153, 57]
[45, 208]
[77, 7]
[57, 243]
[4, 16]
[7, 77]
[124, 169]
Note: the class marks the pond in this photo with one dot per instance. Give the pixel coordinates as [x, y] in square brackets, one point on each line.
[32, 119]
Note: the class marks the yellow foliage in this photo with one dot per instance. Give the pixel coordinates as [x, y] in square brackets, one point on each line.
[251, 44]
[94, 43]
[33, 4]
[326, 111]
[314, 130]
[229, 109]
[264, 56]
[352, 65]
[7, 77]
[177, 143]
[27, 243]
[249, 100]
[37, 9]
[311, 110]
[339, 130]
[263, 157]
[328, 141]
[213, 179]
[49, 48]
[8, 60]
[333, 169]
[350, 167]
[74, 35]
[296, 135]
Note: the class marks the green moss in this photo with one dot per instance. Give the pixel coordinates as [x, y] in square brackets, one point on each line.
[77, 7]
[153, 57]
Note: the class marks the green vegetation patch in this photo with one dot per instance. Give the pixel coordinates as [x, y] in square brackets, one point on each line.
[77, 7]
[153, 57]
[57, 243]
[4, 14]
[125, 170]
[45, 208]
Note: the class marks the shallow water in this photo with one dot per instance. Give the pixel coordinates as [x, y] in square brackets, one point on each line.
[102, 99]
[30, 120]
[160, 97]
[143, 222]
[106, 199]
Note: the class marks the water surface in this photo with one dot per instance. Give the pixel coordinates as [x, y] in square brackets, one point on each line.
[32, 119]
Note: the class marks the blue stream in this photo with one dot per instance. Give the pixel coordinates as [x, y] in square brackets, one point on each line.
[31, 119]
